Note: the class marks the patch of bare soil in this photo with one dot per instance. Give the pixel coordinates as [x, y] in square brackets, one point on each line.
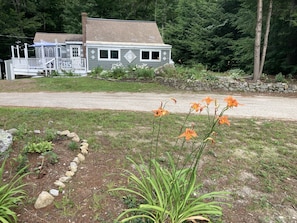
[85, 197]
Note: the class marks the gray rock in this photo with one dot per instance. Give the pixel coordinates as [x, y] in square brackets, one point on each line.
[5, 140]
[12, 131]
[54, 192]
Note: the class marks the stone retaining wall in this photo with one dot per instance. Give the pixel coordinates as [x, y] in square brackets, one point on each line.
[228, 84]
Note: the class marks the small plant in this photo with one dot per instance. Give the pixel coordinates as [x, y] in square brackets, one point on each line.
[280, 78]
[50, 134]
[40, 147]
[11, 194]
[73, 146]
[21, 131]
[66, 205]
[171, 193]
[51, 157]
[22, 160]
[236, 73]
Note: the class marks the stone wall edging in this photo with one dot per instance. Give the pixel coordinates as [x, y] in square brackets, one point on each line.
[228, 84]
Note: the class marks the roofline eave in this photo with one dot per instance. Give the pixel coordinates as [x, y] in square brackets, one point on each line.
[126, 44]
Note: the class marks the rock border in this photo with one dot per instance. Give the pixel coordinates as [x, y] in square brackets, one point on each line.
[46, 198]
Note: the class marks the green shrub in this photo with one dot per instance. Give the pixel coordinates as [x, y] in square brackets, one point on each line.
[236, 73]
[280, 78]
[143, 72]
[11, 194]
[96, 72]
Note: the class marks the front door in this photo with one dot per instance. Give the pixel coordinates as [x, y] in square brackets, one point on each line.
[75, 56]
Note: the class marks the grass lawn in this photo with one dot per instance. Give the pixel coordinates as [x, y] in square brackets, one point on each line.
[81, 84]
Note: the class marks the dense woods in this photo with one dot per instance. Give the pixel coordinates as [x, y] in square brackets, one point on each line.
[219, 34]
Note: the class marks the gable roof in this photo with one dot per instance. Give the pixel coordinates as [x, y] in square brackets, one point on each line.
[60, 37]
[122, 31]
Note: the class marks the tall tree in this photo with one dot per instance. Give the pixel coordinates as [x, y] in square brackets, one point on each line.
[258, 59]
[257, 50]
[265, 44]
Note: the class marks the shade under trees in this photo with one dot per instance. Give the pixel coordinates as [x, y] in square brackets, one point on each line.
[219, 34]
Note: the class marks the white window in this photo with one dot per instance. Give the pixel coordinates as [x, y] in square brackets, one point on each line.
[75, 51]
[150, 55]
[109, 54]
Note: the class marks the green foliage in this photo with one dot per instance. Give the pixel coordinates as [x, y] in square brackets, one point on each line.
[119, 72]
[22, 161]
[280, 78]
[50, 134]
[73, 146]
[236, 73]
[21, 131]
[143, 72]
[11, 194]
[51, 157]
[40, 147]
[168, 194]
[96, 72]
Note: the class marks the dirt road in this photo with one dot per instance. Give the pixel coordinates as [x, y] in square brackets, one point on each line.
[283, 108]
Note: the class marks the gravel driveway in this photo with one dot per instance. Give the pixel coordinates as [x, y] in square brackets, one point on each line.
[284, 108]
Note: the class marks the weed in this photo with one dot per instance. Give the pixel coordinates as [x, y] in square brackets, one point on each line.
[22, 162]
[97, 202]
[73, 146]
[66, 205]
[21, 131]
[50, 135]
[50, 157]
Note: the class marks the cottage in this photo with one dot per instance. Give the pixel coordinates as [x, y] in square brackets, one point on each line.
[103, 43]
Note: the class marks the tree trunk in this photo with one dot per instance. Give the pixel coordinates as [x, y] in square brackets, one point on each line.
[265, 44]
[257, 49]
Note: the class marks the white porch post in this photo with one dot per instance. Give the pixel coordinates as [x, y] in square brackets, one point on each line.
[18, 51]
[57, 55]
[12, 52]
[43, 58]
[26, 54]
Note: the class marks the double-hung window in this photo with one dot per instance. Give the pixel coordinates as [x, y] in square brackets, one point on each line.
[108, 54]
[150, 55]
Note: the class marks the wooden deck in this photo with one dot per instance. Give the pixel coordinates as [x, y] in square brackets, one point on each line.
[46, 66]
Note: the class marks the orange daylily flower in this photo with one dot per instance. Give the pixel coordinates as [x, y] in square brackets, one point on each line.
[197, 107]
[231, 102]
[160, 112]
[208, 100]
[188, 134]
[224, 120]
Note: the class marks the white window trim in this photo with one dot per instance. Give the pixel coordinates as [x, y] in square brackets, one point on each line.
[109, 54]
[150, 55]
[78, 51]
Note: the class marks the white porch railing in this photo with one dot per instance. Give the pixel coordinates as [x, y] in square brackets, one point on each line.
[50, 64]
